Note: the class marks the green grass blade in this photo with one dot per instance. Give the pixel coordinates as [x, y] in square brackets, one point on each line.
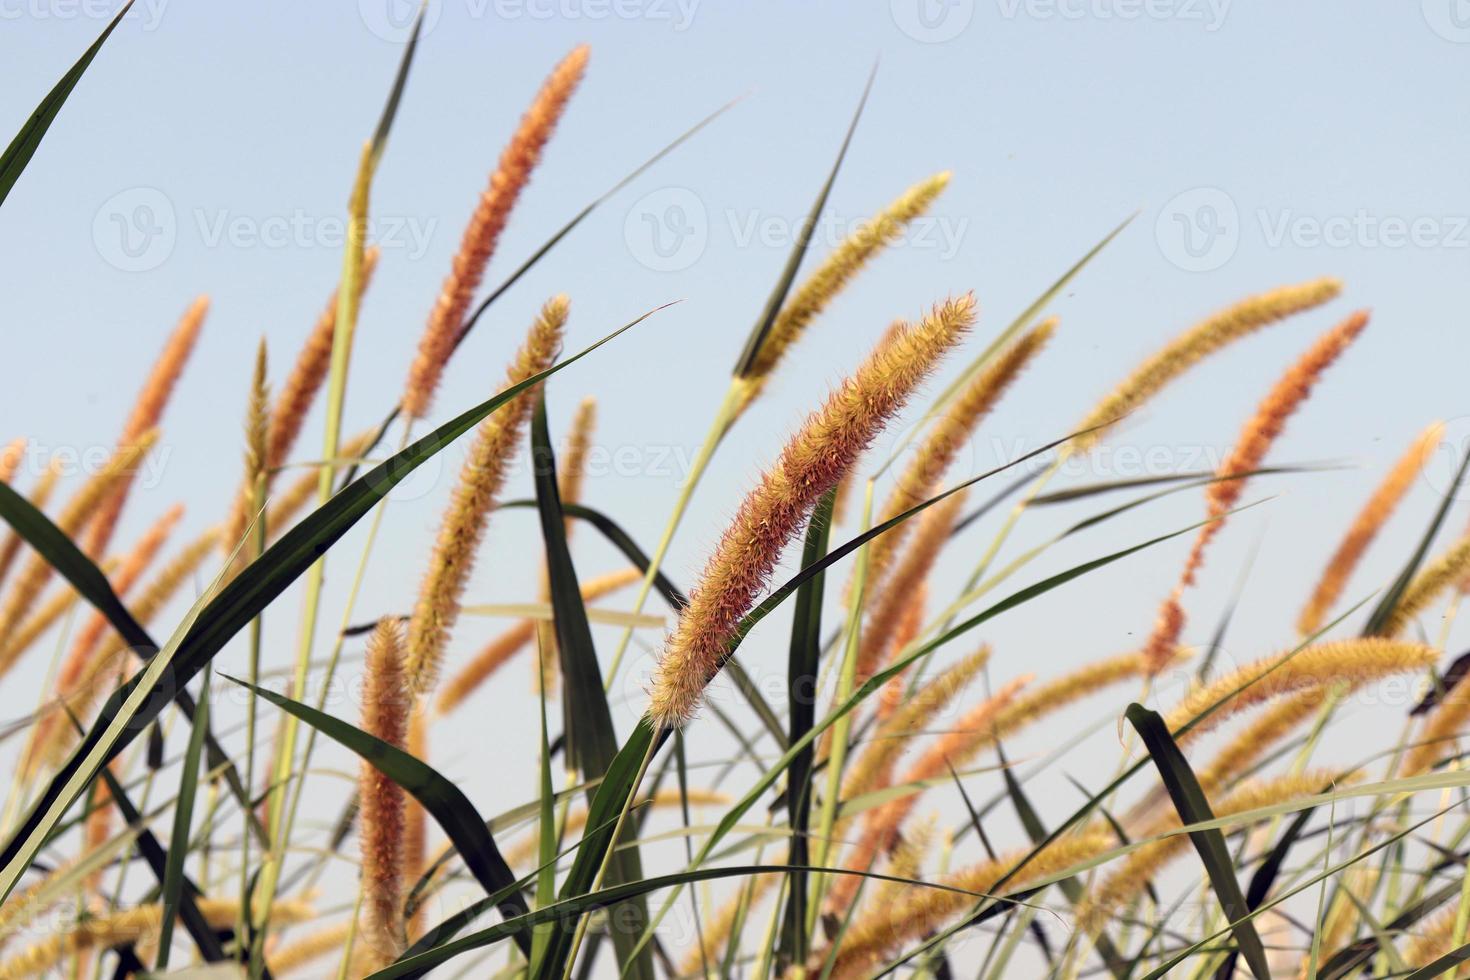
[591, 741]
[62, 554]
[1381, 614]
[1189, 799]
[183, 816]
[777, 299]
[801, 689]
[437, 794]
[25, 143]
[136, 703]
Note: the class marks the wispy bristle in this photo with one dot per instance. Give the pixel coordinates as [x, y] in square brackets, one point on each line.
[517, 162]
[774, 512]
[474, 497]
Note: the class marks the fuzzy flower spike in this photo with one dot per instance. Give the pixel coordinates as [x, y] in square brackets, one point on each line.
[812, 462]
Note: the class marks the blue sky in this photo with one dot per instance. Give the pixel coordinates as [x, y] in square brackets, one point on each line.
[210, 147]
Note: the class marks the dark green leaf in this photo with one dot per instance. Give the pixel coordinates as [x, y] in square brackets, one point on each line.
[1193, 807]
[24, 145]
[183, 816]
[438, 795]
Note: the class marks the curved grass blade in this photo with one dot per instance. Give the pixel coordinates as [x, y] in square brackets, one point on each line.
[382, 431]
[25, 143]
[801, 689]
[1193, 807]
[1442, 965]
[134, 705]
[157, 860]
[591, 742]
[69, 561]
[777, 298]
[1264, 878]
[443, 800]
[183, 816]
[1384, 610]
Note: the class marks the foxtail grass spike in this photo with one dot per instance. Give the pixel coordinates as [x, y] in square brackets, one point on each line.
[1365, 527]
[517, 162]
[146, 414]
[817, 291]
[386, 706]
[1195, 345]
[480, 482]
[1249, 452]
[774, 512]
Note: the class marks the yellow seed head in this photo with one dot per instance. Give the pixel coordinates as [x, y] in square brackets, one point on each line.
[480, 481]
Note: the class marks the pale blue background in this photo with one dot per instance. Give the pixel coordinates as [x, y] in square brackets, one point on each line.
[1058, 121]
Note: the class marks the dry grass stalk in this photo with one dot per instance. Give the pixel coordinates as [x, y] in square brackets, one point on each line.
[908, 631]
[948, 435]
[480, 481]
[146, 414]
[386, 705]
[1365, 527]
[74, 667]
[813, 294]
[527, 849]
[515, 639]
[1437, 736]
[132, 926]
[951, 750]
[517, 161]
[1197, 343]
[1433, 580]
[873, 767]
[40, 496]
[78, 511]
[1310, 668]
[309, 948]
[1247, 455]
[718, 929]
[416, 819]
[1110, 896]
[895, 601]
[112, 654]
[773, 513]
[924, 910]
